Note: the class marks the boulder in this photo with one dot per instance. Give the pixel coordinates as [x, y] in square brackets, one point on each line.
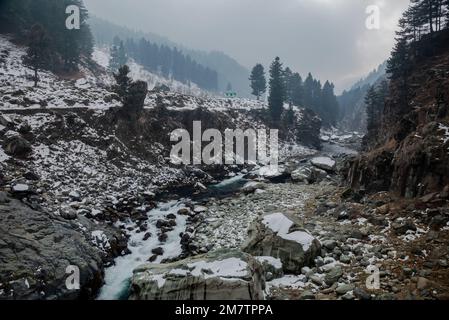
[17, 146]
[36, 248]
[226, 274]
[324, 163]
[252, 186]
[280, 236]
[304, 174]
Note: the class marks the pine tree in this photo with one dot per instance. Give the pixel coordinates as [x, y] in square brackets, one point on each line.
[118, 57]
[277, 94]
[308, 91]
[38, 53]
[135, 97]
[329, 104]
[123, 82]
[297, 96]
[258, 81]
[288, 85]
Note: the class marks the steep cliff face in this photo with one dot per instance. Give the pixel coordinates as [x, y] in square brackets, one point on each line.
[410, 153]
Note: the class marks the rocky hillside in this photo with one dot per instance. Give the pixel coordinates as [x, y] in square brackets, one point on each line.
[72, 168]
[409, 155]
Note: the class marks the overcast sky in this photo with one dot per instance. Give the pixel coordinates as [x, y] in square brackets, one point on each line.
[325, 37]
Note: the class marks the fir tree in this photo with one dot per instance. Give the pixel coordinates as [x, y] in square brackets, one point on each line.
[258, 81]
[38, 53]
[118, 57]
[277, 95]
[123, 82]
[297, 95]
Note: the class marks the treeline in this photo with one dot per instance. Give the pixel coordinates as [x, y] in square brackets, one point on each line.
[375, 102]
[286, 86]
[171, 63]
[422, 31]
[419, 25]
[41, 24]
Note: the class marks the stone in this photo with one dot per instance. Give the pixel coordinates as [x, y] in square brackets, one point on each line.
[272, 267]
[361, 294]
[307, 295]
[158, 251]
[422, 283]
[17, 146]
[68, 213]
[304, 174]
[324, 163]
[37, 238]
[3, 197]
[333, 275]
[225, 274]
[184, 211]
[252, 186]
[329, 244]
[280, 235]
[344, 288]
[345, 259]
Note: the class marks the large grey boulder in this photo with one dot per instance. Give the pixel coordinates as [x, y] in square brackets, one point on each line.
[280, 236]
[324, 163]
[220, 275]
[37, 250]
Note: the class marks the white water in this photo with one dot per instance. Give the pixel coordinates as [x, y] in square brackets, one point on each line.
[117, 277]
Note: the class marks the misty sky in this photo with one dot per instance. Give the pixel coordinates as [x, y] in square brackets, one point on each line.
[326, 37]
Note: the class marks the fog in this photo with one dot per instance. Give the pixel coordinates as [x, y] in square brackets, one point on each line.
[325, 37]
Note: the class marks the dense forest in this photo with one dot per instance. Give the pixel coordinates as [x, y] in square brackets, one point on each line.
[286, 86]
[30, 20]
[423, 30]
[171, 63]
[229, 71]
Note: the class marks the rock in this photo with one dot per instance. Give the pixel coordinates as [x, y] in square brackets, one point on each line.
[17, 146]
[184, 211]
[68, 213]
[333, 275]
[199, 209]
[220, 275]
[272, 267]
[146, 236]
[401, 228]
[344, 288]
[307, 295]
[329, 244]
[162, 237]
[361, 294]
[40, 247]
[324, 163]
[252, 186]
[348, 296]
[158, 251]
[422, 283]
[304, 174]
[3, 197]
[345, 259]
[21, 188]
[74, 195]
[30, 175]
[280, 236]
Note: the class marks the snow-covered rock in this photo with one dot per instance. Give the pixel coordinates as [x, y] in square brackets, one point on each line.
[281, 236]
[219, 275]
[324, 163]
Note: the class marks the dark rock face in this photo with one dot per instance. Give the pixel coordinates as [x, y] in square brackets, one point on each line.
[409, 152]
[35, 250]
